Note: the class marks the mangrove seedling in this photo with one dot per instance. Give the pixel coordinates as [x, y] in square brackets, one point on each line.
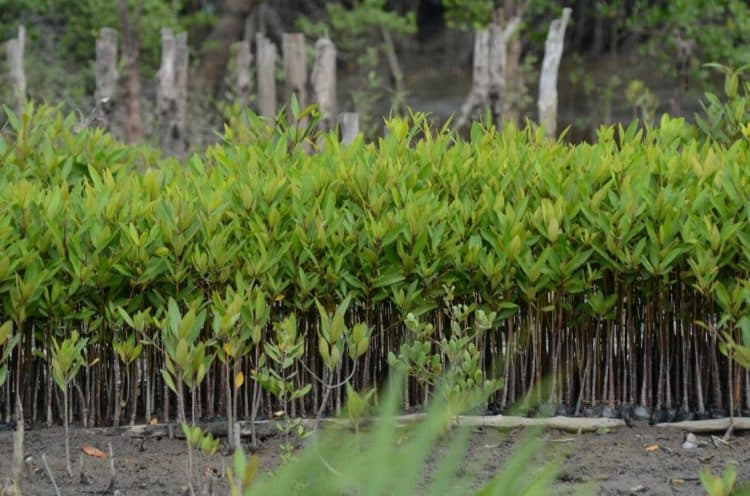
[67, 358]
[283, 352]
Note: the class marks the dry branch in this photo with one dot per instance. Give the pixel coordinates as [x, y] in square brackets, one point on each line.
[711, 425]
[49, 474]
[244, 428]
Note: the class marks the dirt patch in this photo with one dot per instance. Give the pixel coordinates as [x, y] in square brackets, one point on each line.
[613, 463]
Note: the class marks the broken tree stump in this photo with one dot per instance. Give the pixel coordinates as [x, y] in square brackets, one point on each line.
[106, 78]
[553, 49]
[324, 82]
[349, 122]
[171, 95]
[244, 61]
[14, 49]
[480, 81]
[266, 67]
[498, 55]
[295, 67]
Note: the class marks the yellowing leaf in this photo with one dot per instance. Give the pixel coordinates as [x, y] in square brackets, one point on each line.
[91, 451]
[239, 380]
[652, 447]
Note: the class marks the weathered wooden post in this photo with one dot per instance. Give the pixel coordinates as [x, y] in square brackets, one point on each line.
[14, 49]
[480, 83]
[106, 77]
[553, 49]
[171, 94]
[244, 61]
[266, 76]
[349, 122]
[324, 82]
[295, 67]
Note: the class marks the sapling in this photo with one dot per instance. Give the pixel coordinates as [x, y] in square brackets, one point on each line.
[283, 352]
[334, 339]
[67, 359]
[356, 406]
[129, 351]
[197, 440]
[233, 341]
[452, 359]
[187, 361]
[186, 358]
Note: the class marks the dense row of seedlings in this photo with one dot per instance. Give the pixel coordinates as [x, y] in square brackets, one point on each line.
[259, 280]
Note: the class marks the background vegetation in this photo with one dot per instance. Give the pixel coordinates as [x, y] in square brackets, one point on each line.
[675, 38]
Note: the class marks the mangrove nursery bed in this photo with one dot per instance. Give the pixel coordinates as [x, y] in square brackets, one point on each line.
[269, 277]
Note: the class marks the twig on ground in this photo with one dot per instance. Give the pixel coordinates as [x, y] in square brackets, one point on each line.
[563, 440]
[111, 486]
[49, 474]
[84, 479]
[728, 433]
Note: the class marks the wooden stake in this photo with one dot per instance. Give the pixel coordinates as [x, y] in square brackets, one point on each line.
[553, 49]
[106, 77]
[266, 76]
[324, 82]
[15, 49]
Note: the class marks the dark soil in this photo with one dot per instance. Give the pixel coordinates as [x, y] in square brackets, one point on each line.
[615, 462]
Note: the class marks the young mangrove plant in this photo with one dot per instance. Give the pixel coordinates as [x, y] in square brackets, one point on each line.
[615, 269]
[67, 358]
[279, 377]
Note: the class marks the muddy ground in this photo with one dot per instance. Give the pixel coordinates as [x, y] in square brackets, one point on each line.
[615, 462]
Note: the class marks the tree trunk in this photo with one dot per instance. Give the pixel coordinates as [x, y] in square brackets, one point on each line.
[14, 49]
[324, 82]
[266, 76]
[349, 122]
[553, 49]
[171, 94]
[480, 80]
[131, 90]
[106, 77]
[244, 61]
[295, 67]
[498, 54]
[229, 28]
